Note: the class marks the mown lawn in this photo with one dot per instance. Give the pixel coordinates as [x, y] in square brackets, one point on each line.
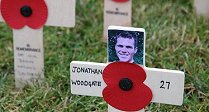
[175, 39]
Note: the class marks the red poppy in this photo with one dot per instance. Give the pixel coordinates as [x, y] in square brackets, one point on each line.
[120, 0]
[18, 13]
[125, 89]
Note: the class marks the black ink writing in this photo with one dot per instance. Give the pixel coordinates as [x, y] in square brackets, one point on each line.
[86, 83]
[163, 84]
[26, 61]
[28, 49]
[117, 13]
[87, 70]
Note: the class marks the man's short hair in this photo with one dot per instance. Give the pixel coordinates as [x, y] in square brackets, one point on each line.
[126, 34]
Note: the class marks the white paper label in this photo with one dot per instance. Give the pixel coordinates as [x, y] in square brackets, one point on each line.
[28, 56]
[86, 78]
[167, 85]
[61, 13]
[116, 14]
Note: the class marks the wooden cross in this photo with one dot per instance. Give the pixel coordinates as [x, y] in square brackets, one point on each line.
[116, 12]
[167, 86]
[28, 42]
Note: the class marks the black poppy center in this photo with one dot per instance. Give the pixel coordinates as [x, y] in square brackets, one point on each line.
[26, 11]
[125, 84]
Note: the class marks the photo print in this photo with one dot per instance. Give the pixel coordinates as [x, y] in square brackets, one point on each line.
[126, 44]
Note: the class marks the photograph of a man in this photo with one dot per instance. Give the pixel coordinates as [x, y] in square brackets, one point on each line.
[126, 46]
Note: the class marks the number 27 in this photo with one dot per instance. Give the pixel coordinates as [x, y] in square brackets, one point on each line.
[163, 84]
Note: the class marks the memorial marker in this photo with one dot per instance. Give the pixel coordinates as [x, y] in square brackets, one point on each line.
[167, 86]
[26, 18]
[91, 79]
[126, 44]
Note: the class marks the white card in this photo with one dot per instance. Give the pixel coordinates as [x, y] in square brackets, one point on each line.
[61, 13]
[86, 78]
[167, 85]
[28, 56]
[116, 14]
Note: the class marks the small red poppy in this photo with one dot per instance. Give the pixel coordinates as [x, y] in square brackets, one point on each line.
[120, 0]
[125, 89]
[18, 13]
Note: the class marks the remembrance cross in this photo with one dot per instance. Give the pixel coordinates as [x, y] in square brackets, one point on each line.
[27, 18]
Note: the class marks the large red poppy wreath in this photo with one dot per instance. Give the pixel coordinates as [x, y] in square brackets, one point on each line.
[18, 13]
[125, 89]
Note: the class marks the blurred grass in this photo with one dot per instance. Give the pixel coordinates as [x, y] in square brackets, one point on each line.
[176, 39]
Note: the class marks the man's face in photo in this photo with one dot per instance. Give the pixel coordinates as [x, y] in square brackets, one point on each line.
[125, 49]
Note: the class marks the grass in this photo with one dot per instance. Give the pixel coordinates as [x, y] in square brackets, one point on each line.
[176, 39]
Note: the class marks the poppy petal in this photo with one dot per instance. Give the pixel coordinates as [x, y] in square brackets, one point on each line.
[40, 14]
[118, 70]
[11, 13]
[134, 99]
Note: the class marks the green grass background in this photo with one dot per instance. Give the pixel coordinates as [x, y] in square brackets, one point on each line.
[176, 39]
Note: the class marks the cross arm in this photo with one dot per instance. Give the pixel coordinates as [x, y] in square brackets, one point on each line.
[61, 13]
[167, 85]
